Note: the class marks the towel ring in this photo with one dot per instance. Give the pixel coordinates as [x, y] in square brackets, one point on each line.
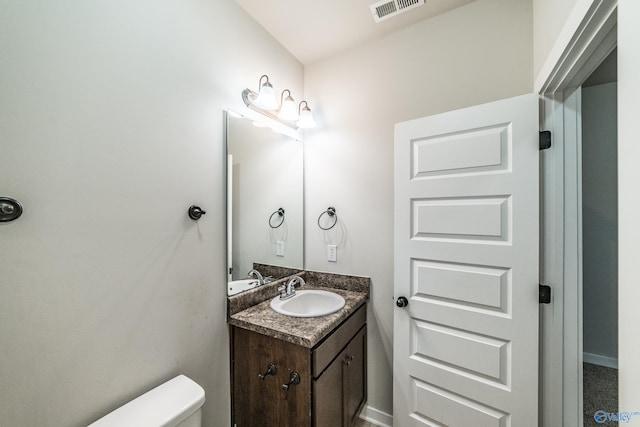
[331, 211]
[279, 212]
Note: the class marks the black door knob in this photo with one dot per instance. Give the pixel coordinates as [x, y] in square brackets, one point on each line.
[195, 212]
[402, 302]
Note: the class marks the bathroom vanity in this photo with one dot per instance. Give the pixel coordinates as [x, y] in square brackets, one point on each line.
[292, 371]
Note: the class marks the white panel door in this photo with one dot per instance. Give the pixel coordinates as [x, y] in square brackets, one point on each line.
[466, 259]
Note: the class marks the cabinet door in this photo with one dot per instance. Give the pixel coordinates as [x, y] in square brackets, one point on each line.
[328, 401]
[263, 403]
[340, 391]
[355, 377]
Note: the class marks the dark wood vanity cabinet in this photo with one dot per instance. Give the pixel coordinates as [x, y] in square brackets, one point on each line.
[332, 387]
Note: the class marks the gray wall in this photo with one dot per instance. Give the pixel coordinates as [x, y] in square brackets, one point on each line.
[600, 220]
[111, 125]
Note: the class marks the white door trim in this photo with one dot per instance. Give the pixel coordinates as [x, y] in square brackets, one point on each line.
[572, 391]
[589, 35]
[561, 263]
[552, 265]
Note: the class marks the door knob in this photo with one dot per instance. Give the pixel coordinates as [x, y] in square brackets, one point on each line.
[402, 302]
[195, 212]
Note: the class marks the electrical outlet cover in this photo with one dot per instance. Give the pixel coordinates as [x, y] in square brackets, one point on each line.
[332, 253]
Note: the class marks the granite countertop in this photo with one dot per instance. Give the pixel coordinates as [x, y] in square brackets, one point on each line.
[303, 331]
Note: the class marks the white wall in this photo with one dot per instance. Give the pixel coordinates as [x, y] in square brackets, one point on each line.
[474, 54]
[600, 222]
[549, 17]
[628, 205]
[110, 127]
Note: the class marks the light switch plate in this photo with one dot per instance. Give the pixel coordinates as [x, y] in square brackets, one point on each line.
[279, 248]
[332, 253]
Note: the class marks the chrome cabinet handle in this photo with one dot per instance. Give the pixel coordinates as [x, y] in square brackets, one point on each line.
[347, 360]
[293, 380]
[271, 370]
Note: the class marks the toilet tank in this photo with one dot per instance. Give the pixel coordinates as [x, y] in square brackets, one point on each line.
[176, 403]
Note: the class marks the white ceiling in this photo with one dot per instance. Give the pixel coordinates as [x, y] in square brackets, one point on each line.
[316, 29]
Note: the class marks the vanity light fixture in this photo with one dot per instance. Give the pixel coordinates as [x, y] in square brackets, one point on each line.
[266, 98]
[266, 104]
[306, 119]
[288, 110]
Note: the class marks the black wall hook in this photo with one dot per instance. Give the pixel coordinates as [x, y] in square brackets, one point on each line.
[10, 209]
[195, 212]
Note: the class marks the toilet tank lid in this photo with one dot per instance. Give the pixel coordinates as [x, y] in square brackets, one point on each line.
[165, 406]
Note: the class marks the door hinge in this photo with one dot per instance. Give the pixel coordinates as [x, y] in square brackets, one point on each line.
[544, 294]
[545, 139]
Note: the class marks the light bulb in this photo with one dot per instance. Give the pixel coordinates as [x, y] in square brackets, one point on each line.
[266, 98]
[306, 119]
[288, 110]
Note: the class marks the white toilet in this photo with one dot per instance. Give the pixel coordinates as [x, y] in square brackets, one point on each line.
[176, 403]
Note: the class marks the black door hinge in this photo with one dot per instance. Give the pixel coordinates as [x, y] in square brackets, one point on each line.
[545, 139]
[544, 294]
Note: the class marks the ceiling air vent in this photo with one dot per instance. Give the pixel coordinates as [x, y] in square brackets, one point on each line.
[389, 8]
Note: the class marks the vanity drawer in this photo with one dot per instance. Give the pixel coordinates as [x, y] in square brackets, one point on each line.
[334, 343]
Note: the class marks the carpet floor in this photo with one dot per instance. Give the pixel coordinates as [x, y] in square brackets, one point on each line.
[600, 393]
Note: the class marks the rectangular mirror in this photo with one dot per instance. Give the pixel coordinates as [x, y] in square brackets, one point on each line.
[264, 202]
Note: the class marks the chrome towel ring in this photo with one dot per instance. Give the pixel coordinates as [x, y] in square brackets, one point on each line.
[331, 211]
[279, 212]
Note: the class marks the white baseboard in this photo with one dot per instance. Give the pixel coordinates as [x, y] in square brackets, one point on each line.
[600, 360]
[376, 417]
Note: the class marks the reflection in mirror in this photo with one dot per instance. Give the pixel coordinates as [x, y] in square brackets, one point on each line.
[264, 202]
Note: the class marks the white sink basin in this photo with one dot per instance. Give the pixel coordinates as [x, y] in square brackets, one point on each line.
[312, 303]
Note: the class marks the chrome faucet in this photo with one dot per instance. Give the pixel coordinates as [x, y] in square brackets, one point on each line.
[255, 273]
[289, 290]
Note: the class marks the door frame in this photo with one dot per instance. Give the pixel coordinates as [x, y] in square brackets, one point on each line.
[587, 38]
